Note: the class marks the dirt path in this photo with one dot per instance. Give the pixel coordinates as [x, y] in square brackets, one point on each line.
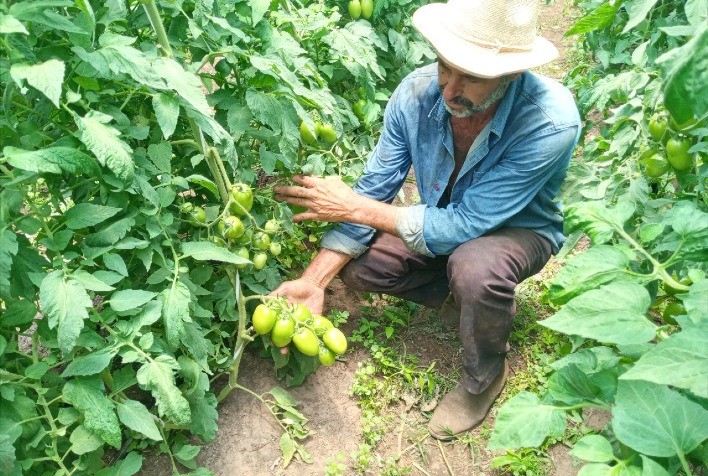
[248, 439]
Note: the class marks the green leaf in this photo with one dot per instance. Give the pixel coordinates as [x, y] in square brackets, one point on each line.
[637, 10]
[8, 460]
[204, 182]
[53, 160]
[18, 313]
[64, 302]
[87, 395]
[46, 77]
[614, 314]
[91, 282]
[84, 215]
[589, 270]
[129, 466]
[187, 85]
[115, 263]
[597, 469]
[188, 452]
[657, 421]
[287, 449]
[105, 143]
[175, 311]
[161, 155]
[695, 302]
[684, 77]
[593, 448]
[157, 377]
[84, 441]
[572, 386]
[128, 299]
[524, 422]
[204, 416]
[652, 468]
[8, 249]
[680, 361]
[166, 109]
[596, 19]
[90, 364]
[207, 251]
[597, 220]
[258, 9]
[696, 11]
[283, 397]
[109, 235]
[137, 417]
[10, 24]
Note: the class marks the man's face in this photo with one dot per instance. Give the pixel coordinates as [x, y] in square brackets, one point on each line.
[466, 95]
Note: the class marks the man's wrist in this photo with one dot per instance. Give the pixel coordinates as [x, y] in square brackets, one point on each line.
[315, 282]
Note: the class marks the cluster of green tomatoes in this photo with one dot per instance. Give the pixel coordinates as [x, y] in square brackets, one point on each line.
[286, 323]
[237, 235]
[361, 9]
[670, 148]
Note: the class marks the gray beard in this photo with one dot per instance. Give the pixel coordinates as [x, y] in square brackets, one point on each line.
[470, 111]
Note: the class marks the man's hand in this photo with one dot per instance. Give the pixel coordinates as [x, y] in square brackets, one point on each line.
[326, 199]
[302, 291]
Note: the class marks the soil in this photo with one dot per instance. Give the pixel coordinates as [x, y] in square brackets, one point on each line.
[247, 442]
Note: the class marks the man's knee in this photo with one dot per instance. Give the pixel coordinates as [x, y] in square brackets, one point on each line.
[355, 276]
[478, 269]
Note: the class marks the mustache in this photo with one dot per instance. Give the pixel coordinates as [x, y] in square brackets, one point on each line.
[459, 100]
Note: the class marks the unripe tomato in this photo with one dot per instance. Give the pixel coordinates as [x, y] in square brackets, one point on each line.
[306, 342]
[326, 356]
[263, 319]
[677, 153]
[261, 241]
[320, 324]
[673, 309]
[223, 68]
[246, 237]
[306, 135]
[271, 226]
[335, 340]
[243, 253]
[186, 207]
[243, 195]
[326, 132]
[656, 166]
[367, 8]
[358, 109]
[282, 332]
[302, 313]
[275, 248]
[259, 260]
[197, 216]
[355, 9]
[231, 227]
[657, 127]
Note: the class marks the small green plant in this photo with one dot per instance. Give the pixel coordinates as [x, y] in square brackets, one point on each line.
[525, 462]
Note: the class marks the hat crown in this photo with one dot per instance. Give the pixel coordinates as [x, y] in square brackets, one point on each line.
[499, 24]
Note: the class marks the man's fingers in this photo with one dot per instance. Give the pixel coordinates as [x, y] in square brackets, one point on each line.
[306, 180]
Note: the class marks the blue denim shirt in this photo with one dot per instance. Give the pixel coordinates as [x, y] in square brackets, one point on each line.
[510, 178]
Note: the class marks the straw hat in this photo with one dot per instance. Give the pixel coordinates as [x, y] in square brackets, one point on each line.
[485, 38]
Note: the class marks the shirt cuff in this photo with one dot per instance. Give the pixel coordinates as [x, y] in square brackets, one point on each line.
[409, 225]
[337, 241]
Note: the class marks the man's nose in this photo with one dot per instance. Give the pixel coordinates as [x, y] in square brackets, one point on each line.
[452, 87]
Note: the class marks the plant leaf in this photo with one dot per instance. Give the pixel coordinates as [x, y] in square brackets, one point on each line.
[157, 377]
[64, 302]
[175, 311]
[287, 449]
[137, 417]
[166, 109]
[46, 77]
[637, 10]
[206, 251]
[593, 448]
[90, 364]
[53, 160]
[105, 143]
[87, 395]
[128, 299]
[524, 422]
[83, 215]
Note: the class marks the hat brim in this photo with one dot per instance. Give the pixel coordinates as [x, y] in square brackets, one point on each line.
[472, 58]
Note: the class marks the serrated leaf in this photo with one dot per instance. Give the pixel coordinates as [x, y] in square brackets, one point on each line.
[596, 19]
[175, 311]
[638, 11]
[204, 416]
[84, 215]
[64, 302]
[204, 182]
[524, 422]
[115, 263]
[680, 361]
[657, 421]
[105, 143]
[157, 377]
[8, 459]
[110, 234]
[90, 282]
[8, 249]
[599, 221]
[10, 24]
[283, 397]
[287, 449]
[207, 251]
[46, 77]
[83, 441]
[137, 417]
[593, 448]
[184, 83]
[53, 160]
[166, 109]
[128, 299]
[614, 314]
[87, 395]
[90, 364]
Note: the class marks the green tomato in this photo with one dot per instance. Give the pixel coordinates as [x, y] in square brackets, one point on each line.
[656, 166]
[243, 253]
[673, 309]
[261, 241]
[197, 216]
[306, 342]
[263, 319]
[354, 9]
[282, 332]
[358, 109]
[275, 248]
[306, 135]
[302, 313]
[186, 207]
[326, 356]
[231, 227]
[335, 340]
[271, 226]
[326, 132]
[243, 196]
[657, 127]
[259, 260]
[321, 324]
[677, 153]
[367, 8]
[223, 68]
[246, 237]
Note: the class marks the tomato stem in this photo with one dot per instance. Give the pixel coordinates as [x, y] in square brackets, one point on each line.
[156, 21]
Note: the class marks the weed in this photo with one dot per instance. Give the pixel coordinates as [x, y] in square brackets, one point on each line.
[525, 462]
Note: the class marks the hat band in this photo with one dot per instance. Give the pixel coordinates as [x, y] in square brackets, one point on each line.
[495, 46]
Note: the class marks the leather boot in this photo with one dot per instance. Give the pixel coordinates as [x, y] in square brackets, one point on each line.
[460, 410]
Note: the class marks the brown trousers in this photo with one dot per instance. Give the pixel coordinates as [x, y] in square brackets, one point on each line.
[481, 275]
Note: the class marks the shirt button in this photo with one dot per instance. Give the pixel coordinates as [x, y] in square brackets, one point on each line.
[437, 187]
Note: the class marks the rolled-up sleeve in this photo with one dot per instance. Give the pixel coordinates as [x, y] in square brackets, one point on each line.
[410, 223]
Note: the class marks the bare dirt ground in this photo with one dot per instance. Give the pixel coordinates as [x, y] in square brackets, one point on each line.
[248, 439]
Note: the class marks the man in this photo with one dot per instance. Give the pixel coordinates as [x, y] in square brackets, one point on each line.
[489, 143]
